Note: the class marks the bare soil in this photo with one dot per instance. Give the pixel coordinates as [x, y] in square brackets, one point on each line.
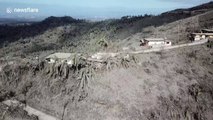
[174, 84]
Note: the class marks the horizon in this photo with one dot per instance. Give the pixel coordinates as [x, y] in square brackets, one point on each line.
[92, 9]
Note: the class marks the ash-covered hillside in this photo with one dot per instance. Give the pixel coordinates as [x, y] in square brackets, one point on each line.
[112, 29]
[11, 33]
[167, 84]
[70, 35]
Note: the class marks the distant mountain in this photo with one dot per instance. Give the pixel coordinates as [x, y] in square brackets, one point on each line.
[194, 10]
[13, 32]
[65, 19]
[129, 25]
[58, 21]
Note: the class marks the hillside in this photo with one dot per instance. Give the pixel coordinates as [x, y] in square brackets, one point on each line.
[172, 84]
[178, 32]
[164, 85]
[112, 30]
[84, 37]
[10, 33]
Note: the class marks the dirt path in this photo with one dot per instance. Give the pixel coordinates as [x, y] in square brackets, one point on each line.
[99, 56]
[31, 111]
[169, 47]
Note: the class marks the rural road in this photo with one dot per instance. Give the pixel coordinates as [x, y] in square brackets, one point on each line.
[31, 111]
[99, 56]
[169, 47]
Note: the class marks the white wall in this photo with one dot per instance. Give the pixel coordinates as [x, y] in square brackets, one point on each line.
[156, 43]
[197, 37]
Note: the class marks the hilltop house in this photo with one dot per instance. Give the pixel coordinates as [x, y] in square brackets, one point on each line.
[60, 57]
[201, 36]
[207, 31]
[155, 42]
[205, 34]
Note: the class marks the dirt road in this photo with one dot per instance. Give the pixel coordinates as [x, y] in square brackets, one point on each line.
[31, 111]
[170, 47]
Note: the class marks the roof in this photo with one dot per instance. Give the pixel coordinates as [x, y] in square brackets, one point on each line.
[207, 30]
[60, 55]
[202, 33]
[154, 39]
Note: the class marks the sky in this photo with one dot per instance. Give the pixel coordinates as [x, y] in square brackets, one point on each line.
[93, 8]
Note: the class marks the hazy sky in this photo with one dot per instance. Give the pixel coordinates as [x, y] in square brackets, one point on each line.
[95, 8]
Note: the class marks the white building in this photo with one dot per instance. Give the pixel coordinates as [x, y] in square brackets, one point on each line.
[61, 57]
[201, 36]
[156, 42]
[100, 56]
